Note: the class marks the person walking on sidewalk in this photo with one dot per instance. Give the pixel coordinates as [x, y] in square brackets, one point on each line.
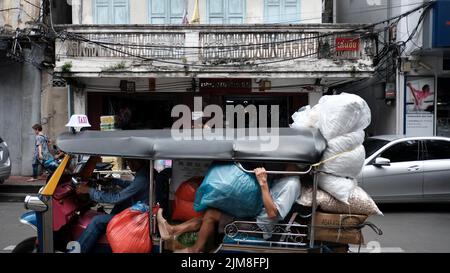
[41, 153]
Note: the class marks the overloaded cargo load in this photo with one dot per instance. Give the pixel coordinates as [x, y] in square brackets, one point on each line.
[341, 119]
[343, 205]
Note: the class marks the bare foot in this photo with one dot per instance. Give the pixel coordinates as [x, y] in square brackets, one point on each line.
[165, 230]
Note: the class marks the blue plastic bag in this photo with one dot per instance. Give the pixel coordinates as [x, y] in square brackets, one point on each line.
[230, 190]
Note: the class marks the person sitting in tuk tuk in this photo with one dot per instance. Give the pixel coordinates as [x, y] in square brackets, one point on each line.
[278, 201]
[131, 193]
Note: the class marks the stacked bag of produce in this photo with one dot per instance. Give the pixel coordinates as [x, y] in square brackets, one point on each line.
[341, 119]
[183, 206]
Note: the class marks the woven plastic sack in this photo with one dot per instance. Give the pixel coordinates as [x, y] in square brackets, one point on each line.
[183, 206]
[184, 210]
[306, 117]
[345, 142]
[128, 231]
[346, 164]
[186, 191]
[359, 202]
[342, 114]
[230, 190]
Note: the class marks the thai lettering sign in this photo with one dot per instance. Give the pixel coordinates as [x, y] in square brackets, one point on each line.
[347, 44]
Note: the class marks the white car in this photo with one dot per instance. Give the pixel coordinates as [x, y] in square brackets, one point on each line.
[407, 169]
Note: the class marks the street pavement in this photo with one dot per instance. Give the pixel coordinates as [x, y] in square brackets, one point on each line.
[406, 228]
[12, 231]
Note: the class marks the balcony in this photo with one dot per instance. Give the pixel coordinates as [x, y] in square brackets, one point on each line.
[251, 51]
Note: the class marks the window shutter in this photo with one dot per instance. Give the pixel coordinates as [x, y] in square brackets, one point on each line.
[176, 11]
[158, 11]
[120, 11]
[281, 11]
[290, 14]
[236, 10]
[216, 11]
[102, 12]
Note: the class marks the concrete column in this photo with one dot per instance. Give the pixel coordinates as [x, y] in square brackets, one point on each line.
[31, 106]
[314, 97]
[79, 101]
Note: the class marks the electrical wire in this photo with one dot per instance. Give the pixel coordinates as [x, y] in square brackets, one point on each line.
[103, 44]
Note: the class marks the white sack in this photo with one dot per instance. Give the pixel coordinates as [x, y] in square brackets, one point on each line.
[306, 117]
[345, 142]
[347, 164]
[339, 187]
[342, 114]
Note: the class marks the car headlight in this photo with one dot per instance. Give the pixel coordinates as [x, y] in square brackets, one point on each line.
[6, 145]
[8, 162]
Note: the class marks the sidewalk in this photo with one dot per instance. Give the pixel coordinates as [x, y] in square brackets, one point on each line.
[16, 188]
[22, 181]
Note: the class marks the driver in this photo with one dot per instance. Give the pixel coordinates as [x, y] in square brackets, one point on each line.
[131, 193]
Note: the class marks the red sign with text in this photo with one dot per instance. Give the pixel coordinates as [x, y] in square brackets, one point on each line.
[347, 44]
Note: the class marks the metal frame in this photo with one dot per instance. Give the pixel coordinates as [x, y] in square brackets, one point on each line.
[47, 226]
[313, 207]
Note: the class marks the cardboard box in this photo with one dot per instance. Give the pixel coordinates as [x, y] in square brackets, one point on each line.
[339, 228]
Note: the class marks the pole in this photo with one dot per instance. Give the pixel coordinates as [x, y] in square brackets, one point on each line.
[313, 212]
[150, 200]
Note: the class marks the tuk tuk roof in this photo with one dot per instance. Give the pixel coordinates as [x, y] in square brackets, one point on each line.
[303, 145]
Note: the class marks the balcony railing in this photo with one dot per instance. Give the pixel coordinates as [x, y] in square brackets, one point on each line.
[228, 46]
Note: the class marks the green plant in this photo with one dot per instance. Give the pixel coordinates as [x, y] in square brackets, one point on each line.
[117, 66]
[67, 67]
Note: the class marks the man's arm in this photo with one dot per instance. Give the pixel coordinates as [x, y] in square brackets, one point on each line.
[269, 205]
[137, 185]
[40, 151]
[121, 183]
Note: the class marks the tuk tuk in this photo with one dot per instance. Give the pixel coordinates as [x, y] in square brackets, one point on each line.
[59, 216]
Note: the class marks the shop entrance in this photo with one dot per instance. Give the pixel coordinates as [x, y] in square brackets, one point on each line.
[287, 105]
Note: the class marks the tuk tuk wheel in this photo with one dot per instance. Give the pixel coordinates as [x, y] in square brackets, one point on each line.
[26, 246]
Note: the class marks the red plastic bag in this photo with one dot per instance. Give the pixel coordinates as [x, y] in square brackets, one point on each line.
[128, 232]
[183, 206]
[184, 210]
[186, 191]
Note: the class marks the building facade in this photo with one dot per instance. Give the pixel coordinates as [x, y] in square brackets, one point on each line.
[27, 93]
[411, 92]
[228, 52]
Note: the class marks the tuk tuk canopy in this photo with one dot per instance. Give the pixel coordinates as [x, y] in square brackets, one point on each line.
[304, 145]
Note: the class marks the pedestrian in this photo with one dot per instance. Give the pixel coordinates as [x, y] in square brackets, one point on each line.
[41, 153]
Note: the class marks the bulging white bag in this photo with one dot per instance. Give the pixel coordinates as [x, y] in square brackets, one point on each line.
[346, 164]
[306, 117]
[345, 142]
[342, 114]
[339, 187]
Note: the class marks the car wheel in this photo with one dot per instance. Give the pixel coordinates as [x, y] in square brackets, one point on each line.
[26, 246]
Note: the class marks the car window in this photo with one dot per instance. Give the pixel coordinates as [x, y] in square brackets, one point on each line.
[403, 151]
[437, 149]
[371, 145]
